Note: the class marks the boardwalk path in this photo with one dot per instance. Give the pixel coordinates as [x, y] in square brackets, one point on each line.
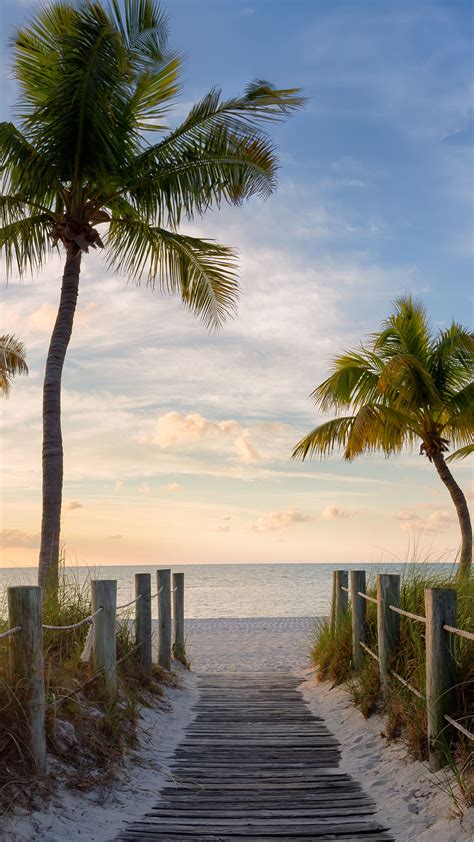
[256, 764]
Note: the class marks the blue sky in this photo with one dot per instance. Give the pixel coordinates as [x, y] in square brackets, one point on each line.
[375, 198]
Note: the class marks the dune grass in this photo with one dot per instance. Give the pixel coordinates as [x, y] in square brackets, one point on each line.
[86, 734]
[405, 714]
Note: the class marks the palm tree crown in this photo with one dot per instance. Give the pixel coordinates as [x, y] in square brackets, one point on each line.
[95, 81]
[12, 361]
[409, 385]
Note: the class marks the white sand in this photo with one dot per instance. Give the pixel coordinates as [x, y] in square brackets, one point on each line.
[409, 801]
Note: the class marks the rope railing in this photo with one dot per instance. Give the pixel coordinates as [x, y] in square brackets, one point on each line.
[85, 622]
[10, 632]
[369, 651]
[127, 604]
[418, 617]
[459, 727]
[460, 632]
[406, 684]
[343, 588]
[367, 597]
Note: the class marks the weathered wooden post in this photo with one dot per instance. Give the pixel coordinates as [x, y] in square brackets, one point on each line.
[104, 649]
[341, 597]
[332, 614]
[388, 623]
[358, 583]
[440, 610]
[143, 619]
[178, 612]
[26, 661]
[164, 618]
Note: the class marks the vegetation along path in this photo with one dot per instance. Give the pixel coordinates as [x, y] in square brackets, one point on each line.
[256, 764]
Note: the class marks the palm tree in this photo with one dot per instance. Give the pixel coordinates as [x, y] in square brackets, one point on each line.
[12, 361]
[97, 78]
[410, 385]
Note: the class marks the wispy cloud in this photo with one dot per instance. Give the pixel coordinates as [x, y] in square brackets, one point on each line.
[279, 520]
[18, 538]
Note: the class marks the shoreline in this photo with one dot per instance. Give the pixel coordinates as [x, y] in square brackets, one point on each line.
[407, 797]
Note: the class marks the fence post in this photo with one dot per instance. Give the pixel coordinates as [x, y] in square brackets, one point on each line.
[388, 623]
[358, 583]
[341, 597]
[332, 615]
[104, 650]
[178, 611]
[26, 659]
[440, 609]
[164, 621]
[143, 618]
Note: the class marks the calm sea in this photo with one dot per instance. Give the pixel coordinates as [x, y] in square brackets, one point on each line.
[229, 590]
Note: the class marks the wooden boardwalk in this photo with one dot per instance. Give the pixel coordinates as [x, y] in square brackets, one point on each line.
[255, 764]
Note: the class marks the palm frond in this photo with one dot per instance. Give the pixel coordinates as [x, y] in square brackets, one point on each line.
[461, 453]
[353, 382]
[12, 361]
[26, 242]
[406, 331]
[323, 440]
[202, 272]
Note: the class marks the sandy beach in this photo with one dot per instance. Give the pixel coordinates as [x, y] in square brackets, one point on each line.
[410, 801]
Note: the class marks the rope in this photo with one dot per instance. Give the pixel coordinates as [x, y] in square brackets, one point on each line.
[459, 727]
[418, 617]
[173, 590]
[157, 593]
[127, 604]
[460, 632]
[345, 589]
[406, 683]
[365, 596]
[9, 632]
[84, 622]
[372, 654]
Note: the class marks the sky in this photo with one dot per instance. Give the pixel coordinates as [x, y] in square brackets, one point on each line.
[177, 442]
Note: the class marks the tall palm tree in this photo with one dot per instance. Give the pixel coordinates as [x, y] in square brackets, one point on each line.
[12, 361]
[409, 385]
[96, 79]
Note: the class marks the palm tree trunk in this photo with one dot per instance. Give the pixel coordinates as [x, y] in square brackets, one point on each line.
[462, 509]
[52, 436]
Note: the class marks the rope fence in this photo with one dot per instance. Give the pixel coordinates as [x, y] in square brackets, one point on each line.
[440, 622]
[27, 653]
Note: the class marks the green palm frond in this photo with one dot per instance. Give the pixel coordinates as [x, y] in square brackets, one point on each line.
[26, 243]
[202, 272]
[323, 440]
[12, 361]
[462, 453]
[353, 382]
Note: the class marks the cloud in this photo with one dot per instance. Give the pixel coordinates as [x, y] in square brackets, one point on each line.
[439, 520]
[176, 430]
[144, 488]
[172, 487]
[335, 513]
[17, 538]
[73, 504]
[114, 537]
[223, 528]
[279, 520]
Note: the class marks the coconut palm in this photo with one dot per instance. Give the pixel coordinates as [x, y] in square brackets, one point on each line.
[410, 385]
[12, 361]
[96, 80]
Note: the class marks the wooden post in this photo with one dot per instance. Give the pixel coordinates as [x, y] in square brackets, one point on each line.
[143, 619]
[178, 611]
[358, 583]
[440, 608]
[104, 650]
[388, 623]
[164, 618]
[341, 598]
[26, 659]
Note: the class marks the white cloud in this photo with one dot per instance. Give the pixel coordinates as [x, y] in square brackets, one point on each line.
[144, 488]
[18, 538]
[176, 430]
[335, 513]
[279, 520]
[173, 487]
[438, 520]
[70, 505]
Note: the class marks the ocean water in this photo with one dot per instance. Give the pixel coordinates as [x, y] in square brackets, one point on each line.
[229, 590]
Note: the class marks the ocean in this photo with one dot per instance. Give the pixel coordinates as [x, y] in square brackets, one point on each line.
[229, 590]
